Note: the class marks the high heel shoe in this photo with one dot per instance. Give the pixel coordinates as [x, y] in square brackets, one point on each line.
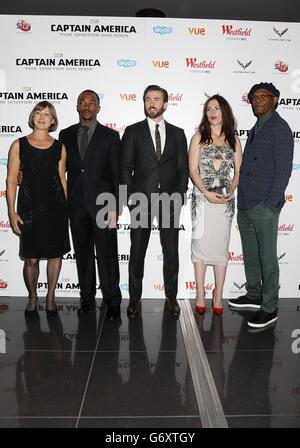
[217, 310]
[51, 312]
[30, 313]
[201, 309]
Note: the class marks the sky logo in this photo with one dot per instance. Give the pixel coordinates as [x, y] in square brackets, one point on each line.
[296, 166]
[124, 287]
[3, 161]
[162, 30]
[245, 98]
[22, 25]
[160, 257]
[126, 63]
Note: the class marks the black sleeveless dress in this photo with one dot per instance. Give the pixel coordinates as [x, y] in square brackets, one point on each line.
[42, 203]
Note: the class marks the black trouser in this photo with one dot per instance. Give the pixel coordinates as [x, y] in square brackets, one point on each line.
[86, 237]
[139, 242]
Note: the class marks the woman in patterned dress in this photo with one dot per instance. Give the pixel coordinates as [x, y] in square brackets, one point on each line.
[215, 153]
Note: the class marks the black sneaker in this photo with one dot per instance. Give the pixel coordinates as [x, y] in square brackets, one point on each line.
[245, 302]
[262, 319]
[86, 307]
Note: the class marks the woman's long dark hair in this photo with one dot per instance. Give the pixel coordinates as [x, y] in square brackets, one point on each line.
[228, 125]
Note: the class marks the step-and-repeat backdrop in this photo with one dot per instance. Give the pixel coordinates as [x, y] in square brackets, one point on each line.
[54, 58]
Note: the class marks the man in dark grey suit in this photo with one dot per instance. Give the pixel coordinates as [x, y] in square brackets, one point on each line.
[93, 165]
[264, 175]
[154, 162]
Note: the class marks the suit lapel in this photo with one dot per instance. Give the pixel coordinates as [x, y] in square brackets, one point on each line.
[262, 131]
[147, 139]
[74, 143]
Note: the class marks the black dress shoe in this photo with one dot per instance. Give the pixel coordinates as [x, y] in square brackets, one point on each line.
[113, 312]
[134, 309]
[86, 307]
[172, 306]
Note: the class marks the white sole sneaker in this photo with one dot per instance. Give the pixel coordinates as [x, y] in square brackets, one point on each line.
[263, 325]
[244, 305]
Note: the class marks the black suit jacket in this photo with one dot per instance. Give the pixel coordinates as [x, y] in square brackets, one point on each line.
[140, 169]
[99, 171]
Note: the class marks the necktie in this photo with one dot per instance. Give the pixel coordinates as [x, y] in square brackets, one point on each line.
[158, 142]
[84, 141]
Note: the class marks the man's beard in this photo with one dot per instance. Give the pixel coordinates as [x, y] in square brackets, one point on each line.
[154, 114]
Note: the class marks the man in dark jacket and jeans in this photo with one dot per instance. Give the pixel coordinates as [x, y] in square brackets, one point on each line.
[264, 175]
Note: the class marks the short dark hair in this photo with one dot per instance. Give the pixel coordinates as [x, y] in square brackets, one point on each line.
[90, 91]
[41, 106]
[160, 89]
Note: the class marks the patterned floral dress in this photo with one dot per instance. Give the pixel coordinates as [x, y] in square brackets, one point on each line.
[211, 223]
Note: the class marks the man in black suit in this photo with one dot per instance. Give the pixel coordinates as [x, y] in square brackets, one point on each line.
[154, 161]
[93, 164]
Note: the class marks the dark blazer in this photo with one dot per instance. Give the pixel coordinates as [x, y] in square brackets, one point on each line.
[267, 165]
[100, 170]
[140, 169]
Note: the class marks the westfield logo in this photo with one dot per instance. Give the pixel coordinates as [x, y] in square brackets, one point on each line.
[117, 128]
[230, 31]
[233, 257]
[4, 225]
[286, 228]
[175, 97]
[191, 286]
[195, 63]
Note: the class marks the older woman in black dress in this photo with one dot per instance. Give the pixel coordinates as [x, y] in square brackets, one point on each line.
[41, 218]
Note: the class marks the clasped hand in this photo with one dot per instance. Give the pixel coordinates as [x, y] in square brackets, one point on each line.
[216, 198]
[112, 219]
